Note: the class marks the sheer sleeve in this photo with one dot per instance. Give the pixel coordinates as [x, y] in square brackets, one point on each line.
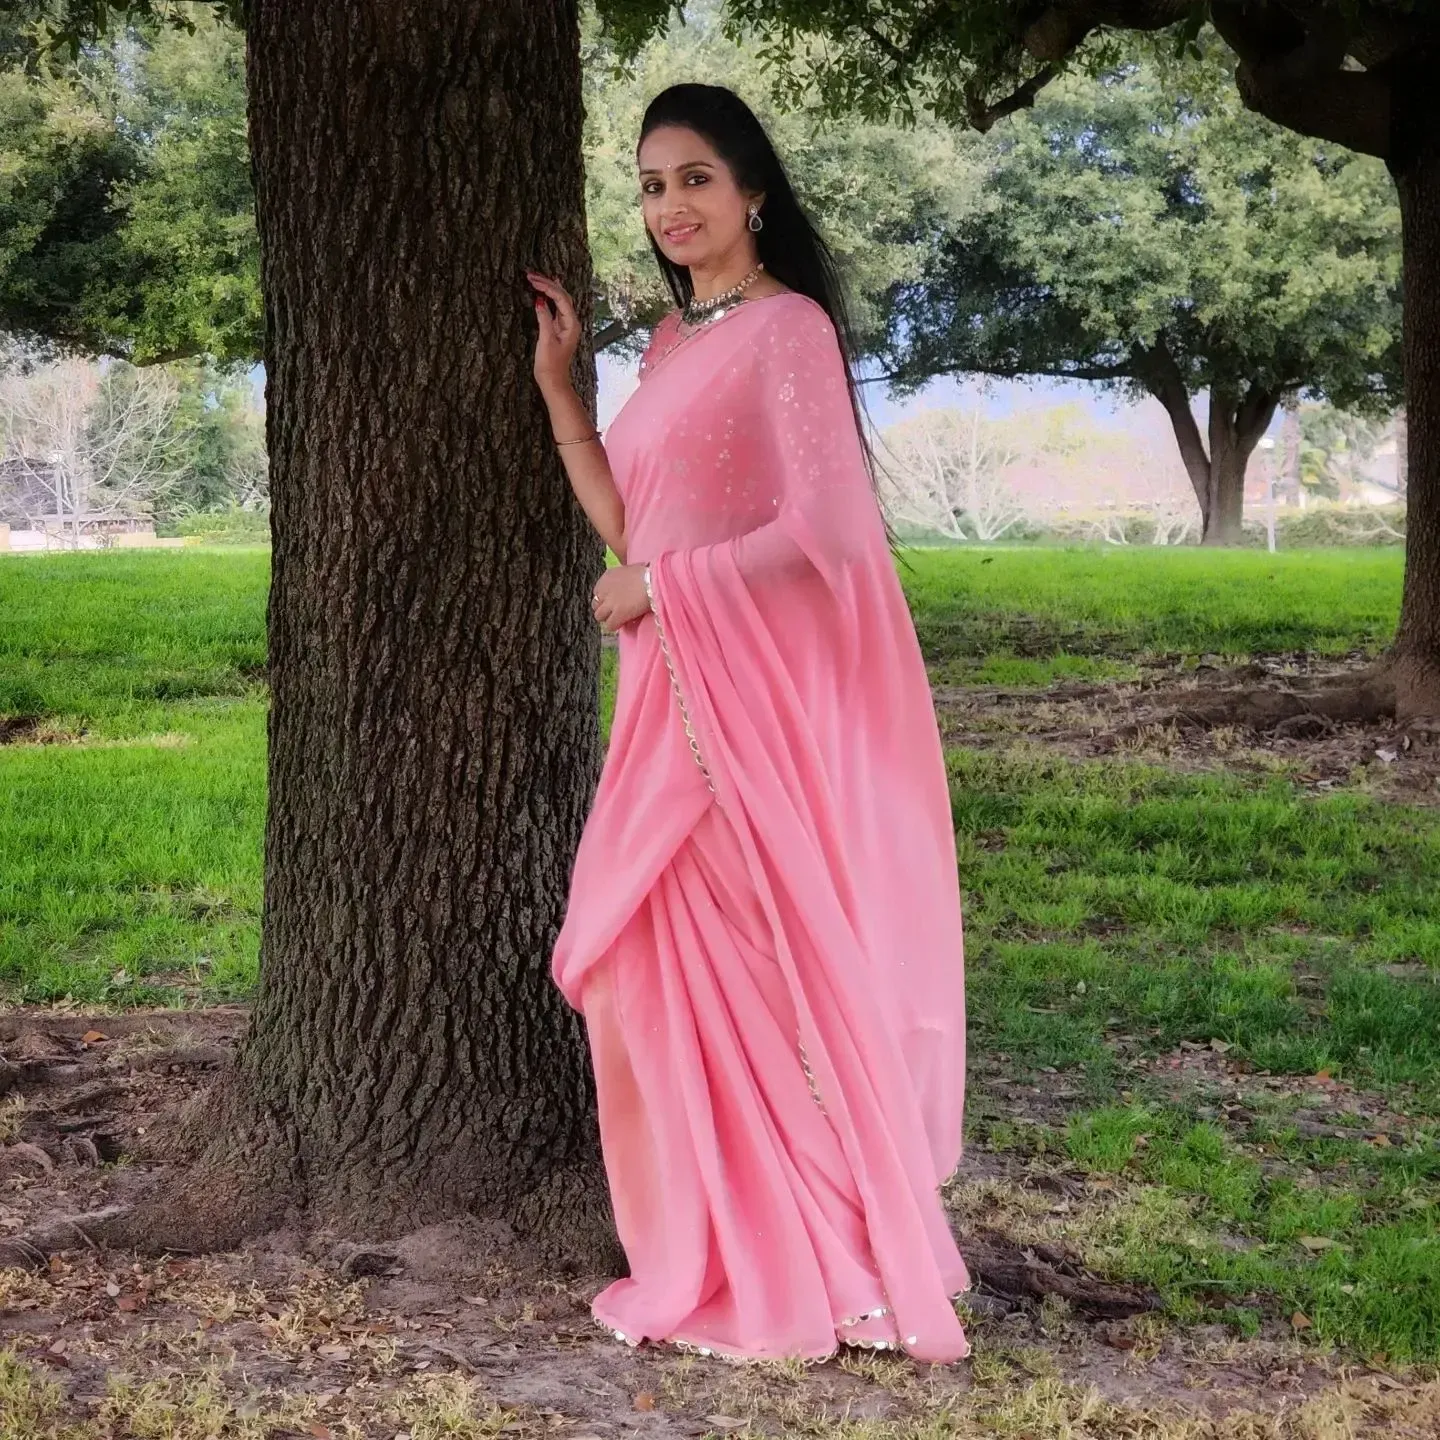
[826, 514]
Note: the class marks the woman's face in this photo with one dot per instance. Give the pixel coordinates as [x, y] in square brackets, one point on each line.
[693, 207]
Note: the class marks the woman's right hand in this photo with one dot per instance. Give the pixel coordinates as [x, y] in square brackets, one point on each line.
[559, 333]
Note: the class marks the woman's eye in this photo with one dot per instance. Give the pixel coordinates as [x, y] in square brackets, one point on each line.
[696, 179]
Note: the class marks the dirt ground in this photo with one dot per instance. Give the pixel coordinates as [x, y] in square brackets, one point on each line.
[427, 1336]
[300, 1337]
[1165, 716]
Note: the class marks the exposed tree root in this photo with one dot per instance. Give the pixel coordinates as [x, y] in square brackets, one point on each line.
[1298, 711]
[1002, 1268]
[99, 1229]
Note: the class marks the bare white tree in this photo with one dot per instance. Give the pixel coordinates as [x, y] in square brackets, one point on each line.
[945, 472]
[97, 445]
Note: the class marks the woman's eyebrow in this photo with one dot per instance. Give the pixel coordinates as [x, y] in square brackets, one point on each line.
[688, 165]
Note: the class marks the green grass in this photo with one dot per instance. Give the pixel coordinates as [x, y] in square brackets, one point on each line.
[130, 862]
[1358, 1258]
[980, 611]
[1114, 910]
[112, 640]
[1113, 897]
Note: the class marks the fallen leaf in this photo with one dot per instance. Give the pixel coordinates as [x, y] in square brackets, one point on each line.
[1387, 757]
[1381, 1142]
[1315, 1243]
[127, 1302]
[1221, 1046]
[333, 1352]
[724, 1422]
[644, 1401]
[1301, 1321]
[91, 1036]
[320, 1432]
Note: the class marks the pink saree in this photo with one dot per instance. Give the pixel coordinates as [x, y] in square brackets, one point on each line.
[764, 924]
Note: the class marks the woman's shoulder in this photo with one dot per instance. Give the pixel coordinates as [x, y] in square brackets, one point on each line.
[788, 320]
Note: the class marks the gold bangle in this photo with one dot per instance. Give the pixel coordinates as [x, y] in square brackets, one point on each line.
[583, 440]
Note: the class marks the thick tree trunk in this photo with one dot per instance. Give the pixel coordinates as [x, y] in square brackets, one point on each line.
[433, 733]
[1217, 475]
[1416, 654]
[1224, 510]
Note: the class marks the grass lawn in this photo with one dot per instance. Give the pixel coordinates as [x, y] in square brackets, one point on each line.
[1208, 1002]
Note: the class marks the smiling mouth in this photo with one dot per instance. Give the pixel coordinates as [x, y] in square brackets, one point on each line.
[676, 234]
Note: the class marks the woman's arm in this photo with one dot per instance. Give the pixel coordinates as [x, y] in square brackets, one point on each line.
[583, 455]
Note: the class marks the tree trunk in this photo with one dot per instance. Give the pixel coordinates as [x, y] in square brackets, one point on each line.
[1236, 425]
[1225, 508]
[1218, 475]
[1416, 654]
[433, 731]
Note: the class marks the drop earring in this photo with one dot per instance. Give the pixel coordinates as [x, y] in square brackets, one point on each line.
[756, 223]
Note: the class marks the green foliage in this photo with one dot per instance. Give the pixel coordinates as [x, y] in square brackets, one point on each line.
[1126, 212]
[224, 467]
[1334, 447]
[126, 217]
[35, 34]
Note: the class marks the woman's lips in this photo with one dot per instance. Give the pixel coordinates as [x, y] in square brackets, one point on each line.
[679, 234]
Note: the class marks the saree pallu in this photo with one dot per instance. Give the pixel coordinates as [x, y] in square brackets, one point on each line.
[764, 930]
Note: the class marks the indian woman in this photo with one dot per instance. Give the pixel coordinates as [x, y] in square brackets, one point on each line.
[763, 931]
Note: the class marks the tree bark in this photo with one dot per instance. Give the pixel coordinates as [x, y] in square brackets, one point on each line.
[1217, 474]
[433, 665]
[1416, 167]
[1236, 427]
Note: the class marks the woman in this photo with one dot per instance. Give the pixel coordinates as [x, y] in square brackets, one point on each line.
[764, 924]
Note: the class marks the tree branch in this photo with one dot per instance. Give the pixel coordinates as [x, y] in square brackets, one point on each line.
[1292, 72]
[1161, 376]
[983, 116]
[1253, 417]
[612, 332]
[1124, 371]
[1062, 26]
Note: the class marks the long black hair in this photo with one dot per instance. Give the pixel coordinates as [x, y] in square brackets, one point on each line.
[789, 245]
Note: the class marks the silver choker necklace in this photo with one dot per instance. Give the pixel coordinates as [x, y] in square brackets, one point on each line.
[700, 312]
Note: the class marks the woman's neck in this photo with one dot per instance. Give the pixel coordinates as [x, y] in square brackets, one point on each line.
[727, 272]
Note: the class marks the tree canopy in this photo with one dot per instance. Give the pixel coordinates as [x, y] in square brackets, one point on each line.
[128, 213]
[1335, 69]
[125, 199]
[1160, 238]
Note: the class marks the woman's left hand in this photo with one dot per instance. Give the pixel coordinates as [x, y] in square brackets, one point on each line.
[620, 597]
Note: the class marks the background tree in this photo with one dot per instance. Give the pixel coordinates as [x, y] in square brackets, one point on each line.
[225, 465]
[125, 200]
[945, 473]
[95, 446]
[1334, 450]
[1154, 236]
[1357, 73]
